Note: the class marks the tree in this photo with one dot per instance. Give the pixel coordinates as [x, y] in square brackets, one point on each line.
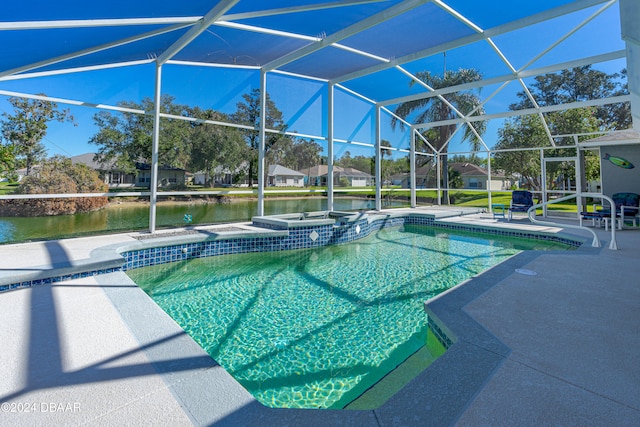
[384, 151]
[521, 132]
[388, 167]
[248, 113]
[127, 137]
[434, 109]
[359, 162]
[528, 132]
[280, 153]
[473, 159]
[581, 84]
[27, 126]
[576, 84]
[7, 161]
[306, 154]
[213, 146]
[455, 179]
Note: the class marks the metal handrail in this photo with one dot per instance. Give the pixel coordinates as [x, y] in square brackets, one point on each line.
[596, 242]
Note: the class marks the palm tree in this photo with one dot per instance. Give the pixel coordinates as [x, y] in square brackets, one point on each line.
[434, 109]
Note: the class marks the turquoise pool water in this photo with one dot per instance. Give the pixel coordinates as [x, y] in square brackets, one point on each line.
[316, 328]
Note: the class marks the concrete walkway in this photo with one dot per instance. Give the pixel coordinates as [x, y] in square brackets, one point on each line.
[556, 348]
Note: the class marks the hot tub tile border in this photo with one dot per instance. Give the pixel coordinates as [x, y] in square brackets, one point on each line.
[299, 238]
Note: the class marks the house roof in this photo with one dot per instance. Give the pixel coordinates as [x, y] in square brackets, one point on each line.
[351, 172]
[281, 170]
[88, 159]
[323, 170]
[465, 169]
[318, 170]
[627, 136]
[468, 169]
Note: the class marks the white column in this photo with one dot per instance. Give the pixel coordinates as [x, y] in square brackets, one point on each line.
[378, 161]
[629, 18]
[261, 141]
[438, 180]
[154, 150]
[330, 106]
[543, 181]
[412, 168]
[579, 178]
[489, 181]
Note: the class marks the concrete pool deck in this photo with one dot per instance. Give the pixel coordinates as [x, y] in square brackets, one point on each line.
[559, 347]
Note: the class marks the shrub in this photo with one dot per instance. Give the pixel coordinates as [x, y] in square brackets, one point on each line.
[57, 176]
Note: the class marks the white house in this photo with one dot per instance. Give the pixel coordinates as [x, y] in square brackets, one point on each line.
[116, 178]
[317, 176]
[279, 176]
[473, 177]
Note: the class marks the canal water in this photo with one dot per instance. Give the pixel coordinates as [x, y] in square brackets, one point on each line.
[135, 216]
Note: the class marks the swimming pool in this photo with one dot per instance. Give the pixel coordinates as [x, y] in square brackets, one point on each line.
[315, 328]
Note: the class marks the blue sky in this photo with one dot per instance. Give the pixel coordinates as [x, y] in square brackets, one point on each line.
[304, 102]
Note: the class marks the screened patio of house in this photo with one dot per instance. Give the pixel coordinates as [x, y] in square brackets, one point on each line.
[543, 338]
[340, 72]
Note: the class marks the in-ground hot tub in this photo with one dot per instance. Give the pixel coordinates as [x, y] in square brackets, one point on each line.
[306, 219]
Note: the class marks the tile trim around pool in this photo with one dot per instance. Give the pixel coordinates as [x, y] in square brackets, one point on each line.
[308, 238]
[295, 238]
[56, 279]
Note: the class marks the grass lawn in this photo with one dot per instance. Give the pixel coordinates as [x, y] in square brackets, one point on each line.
[478, 199]
[7, 188]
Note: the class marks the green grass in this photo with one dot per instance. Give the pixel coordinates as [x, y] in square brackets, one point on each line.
[7, 188]
[477, 199]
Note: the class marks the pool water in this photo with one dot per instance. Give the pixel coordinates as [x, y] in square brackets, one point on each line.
[316, 328]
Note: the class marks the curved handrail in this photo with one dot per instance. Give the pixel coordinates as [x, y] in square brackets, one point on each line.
[596, 242]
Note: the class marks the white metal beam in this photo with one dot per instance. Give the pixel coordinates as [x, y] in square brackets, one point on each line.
[378, 162]
[505, 60]
[212, 65]
[330, 141]
[356, 28]
[155, 144]
[446, 102]
[261, 142]
[528, 111]
[93, 23]
[610, 56]
[296, 9]
[261, 30]
[412, 169]
[213, 15]
[570, 33]
[491, 32]
[76, 70]
[92, 50]
[70, 102]
[629, 17]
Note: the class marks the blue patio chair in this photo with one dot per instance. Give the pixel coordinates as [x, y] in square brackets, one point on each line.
[521, 201]
[626, 207]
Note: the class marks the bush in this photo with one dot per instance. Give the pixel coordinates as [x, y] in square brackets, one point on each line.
[57, 176]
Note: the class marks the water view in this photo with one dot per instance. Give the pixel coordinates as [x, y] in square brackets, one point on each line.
[135, 216]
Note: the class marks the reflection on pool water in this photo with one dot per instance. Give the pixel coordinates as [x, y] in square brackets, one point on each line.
[316, 328]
